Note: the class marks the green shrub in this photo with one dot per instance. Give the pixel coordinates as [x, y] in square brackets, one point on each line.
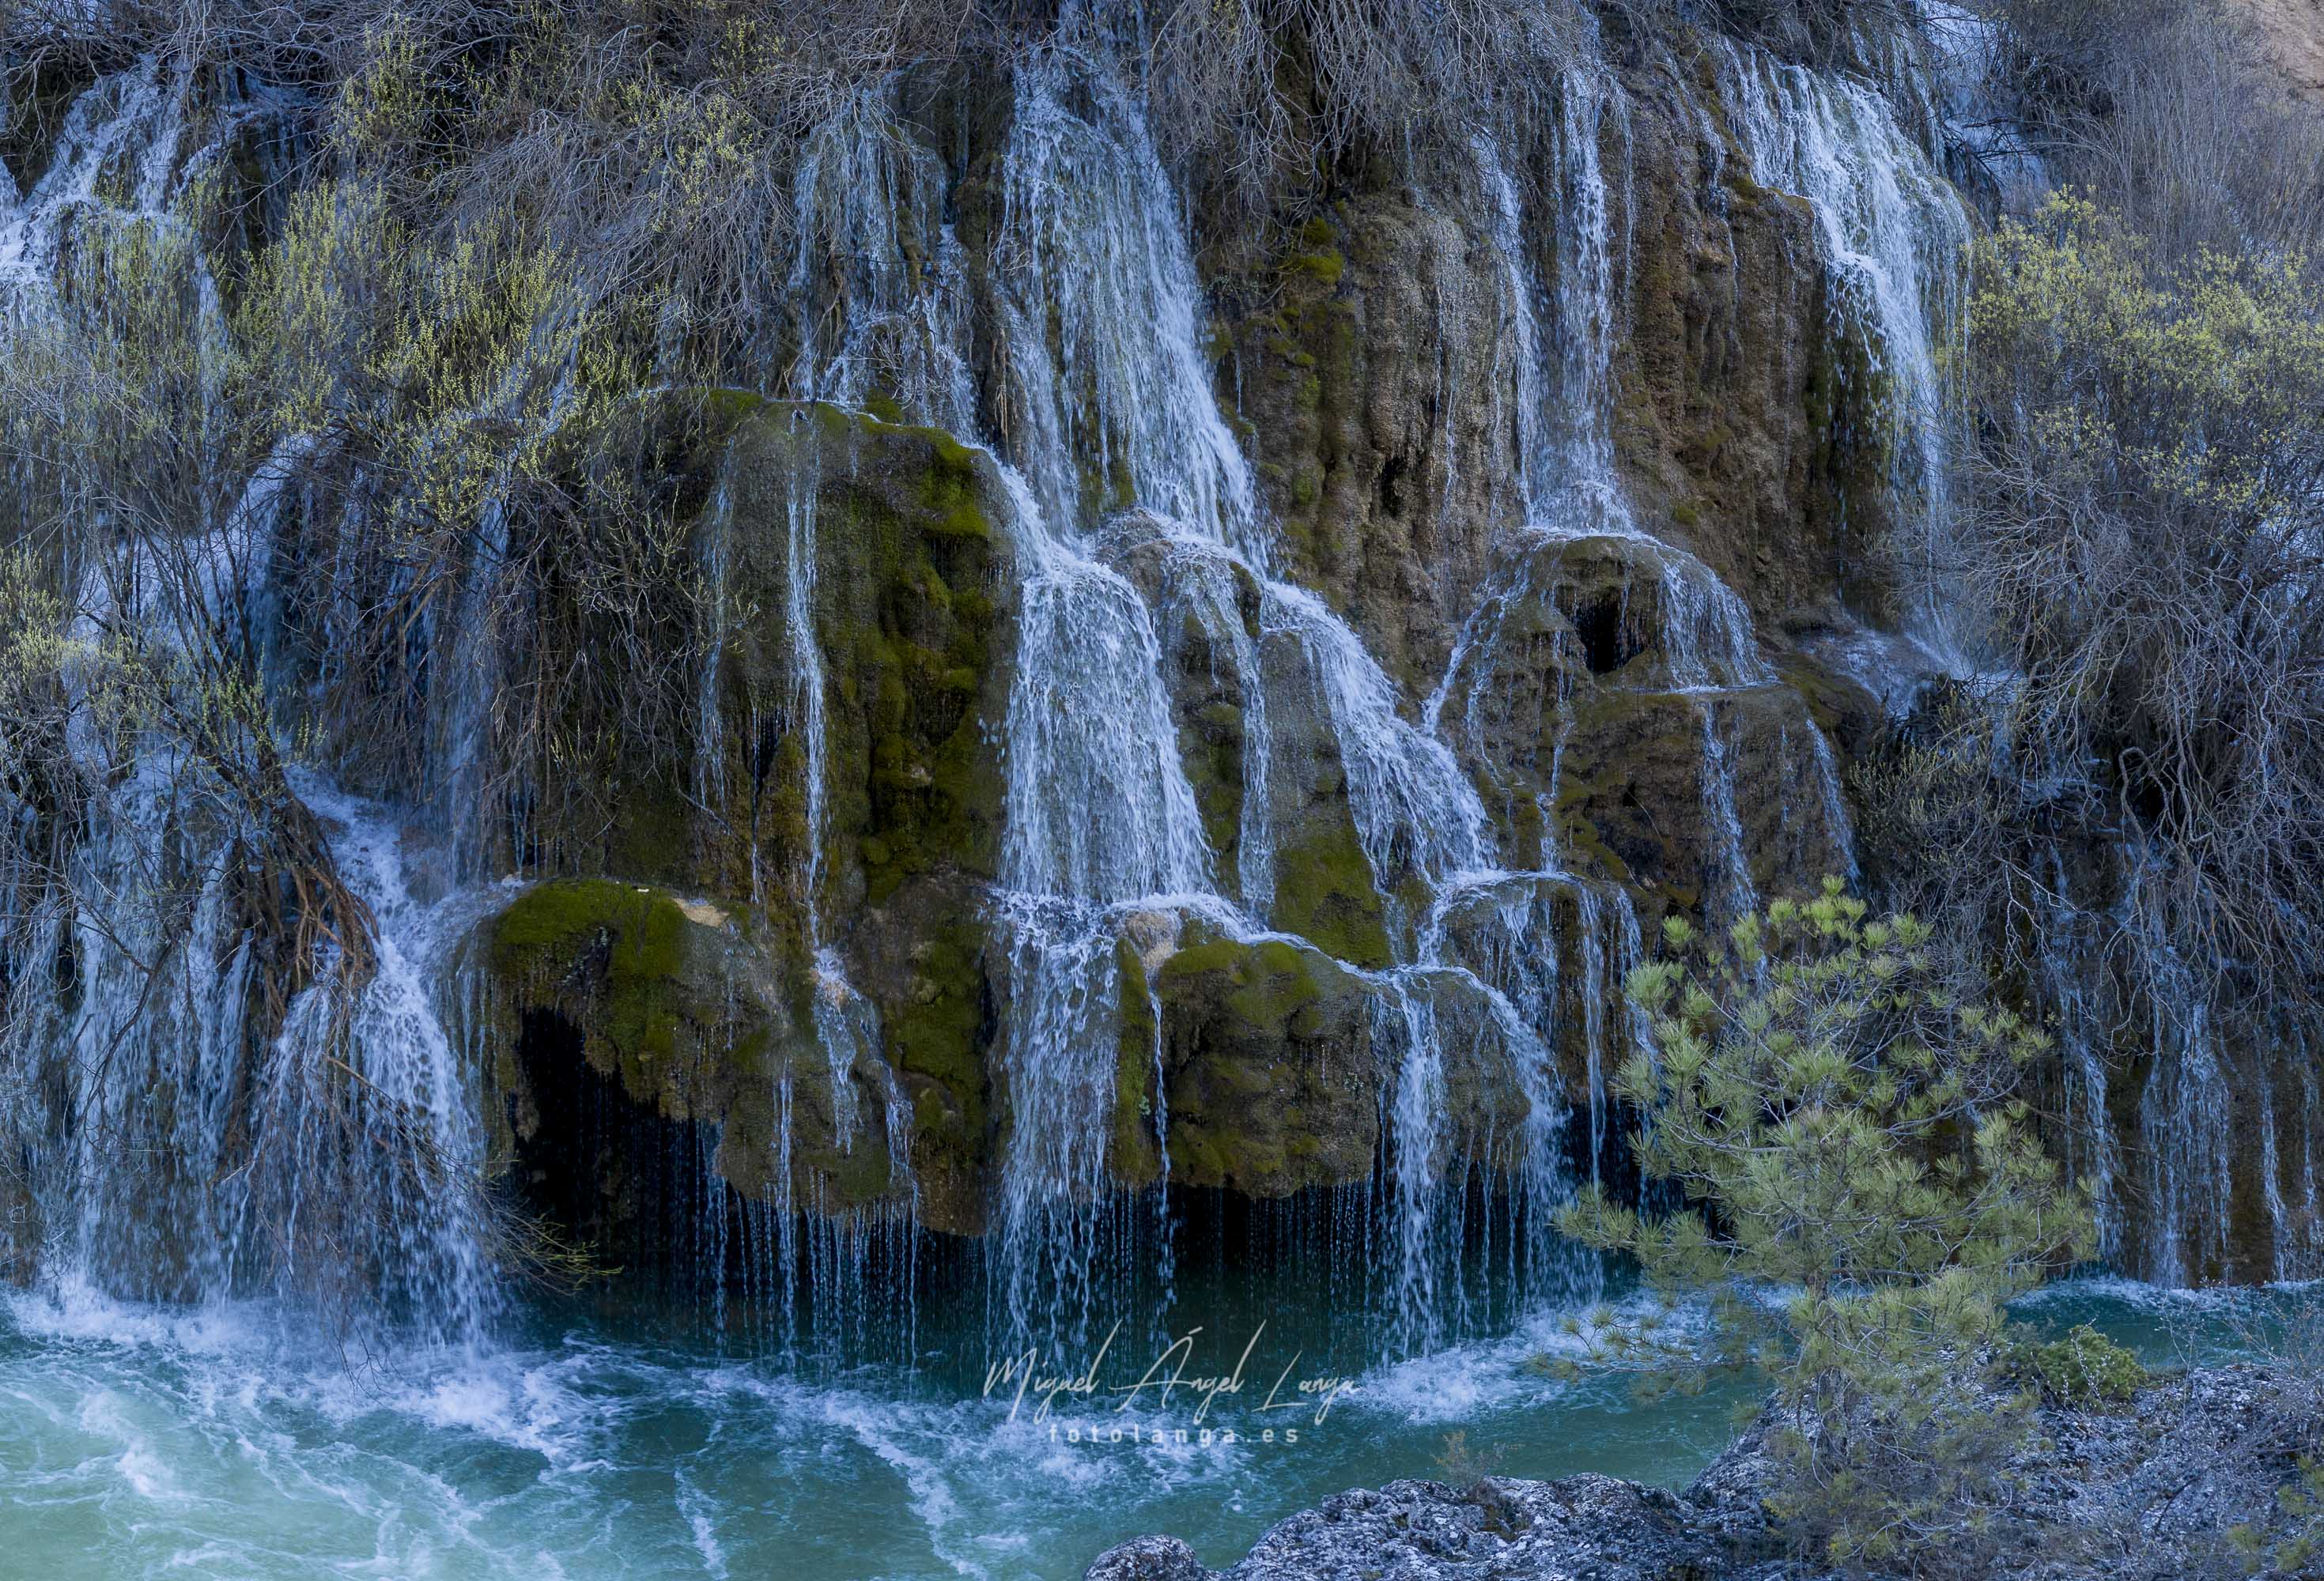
[1837, 1102]
[2083, 1368]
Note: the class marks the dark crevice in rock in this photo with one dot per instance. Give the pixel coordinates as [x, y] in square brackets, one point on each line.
[1606, 645]
[610, 1175]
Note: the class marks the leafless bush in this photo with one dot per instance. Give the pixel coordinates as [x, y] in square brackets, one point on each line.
[2146, 516]
[2170, 114]
[1261, 92]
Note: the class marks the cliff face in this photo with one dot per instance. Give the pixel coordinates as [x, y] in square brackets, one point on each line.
[1109, 713]
[1567, 469]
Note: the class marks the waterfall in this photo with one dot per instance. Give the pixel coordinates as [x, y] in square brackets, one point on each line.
[1413, 806]
[1730, 885]
[1892, 234]
[1204, 581]
[203, 1111]
[1067, 341]
[343, 1143]
[2186, 1112]
[1404, 1020]
[1111, 402]
[1105, 314]
[1105, 397]
[418, 1093]
[132, 122]
[875, 292]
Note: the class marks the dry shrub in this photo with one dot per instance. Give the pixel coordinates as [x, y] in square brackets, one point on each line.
[2143, 519]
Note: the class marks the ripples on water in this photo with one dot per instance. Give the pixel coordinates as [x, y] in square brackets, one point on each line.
[140, 1441]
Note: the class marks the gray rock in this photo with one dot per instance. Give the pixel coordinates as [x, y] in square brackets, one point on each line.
[2147, 1491]
[1577, 1529]
[1149, 1558]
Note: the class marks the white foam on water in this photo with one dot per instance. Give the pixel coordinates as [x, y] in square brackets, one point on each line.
[1517, 1370]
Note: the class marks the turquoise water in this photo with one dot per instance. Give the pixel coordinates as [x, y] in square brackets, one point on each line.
[139, 1441]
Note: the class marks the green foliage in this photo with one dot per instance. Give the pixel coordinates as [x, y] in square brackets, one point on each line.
[1863, 1192]
[2125, 366]
[2083, 1368]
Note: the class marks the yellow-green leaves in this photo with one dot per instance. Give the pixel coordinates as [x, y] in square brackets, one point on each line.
[1835, 1100]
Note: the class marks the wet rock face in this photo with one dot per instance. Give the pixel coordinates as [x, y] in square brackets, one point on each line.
[1372, 374]
[1370, 391]
[675, 1006]
[1740, 427]
[1615, 697]
[1632, 733]
[911, 602]
[1369, 375]
[894, 541]
[1268, 1057]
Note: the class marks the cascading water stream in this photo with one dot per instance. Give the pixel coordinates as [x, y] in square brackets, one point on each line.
[308, 1129]
[1576, 513]
[1893, 235]
[1972, 65]
[1109, 385]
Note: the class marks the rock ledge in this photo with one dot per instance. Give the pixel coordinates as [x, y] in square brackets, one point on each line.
[2141, 1492]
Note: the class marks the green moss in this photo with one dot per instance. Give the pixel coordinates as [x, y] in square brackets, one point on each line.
[2083, 1368]
[1324, 268]
[936, 1030]
[937, 1033]
[1324, 891]
[1829, 703]
[1270, 987]
[621, 962]
[907, 620]
[722, 409]
[553, 924]
[1277, 986]
[951, 489]
[1212, 752]
[1259, 1034]
[654, 838]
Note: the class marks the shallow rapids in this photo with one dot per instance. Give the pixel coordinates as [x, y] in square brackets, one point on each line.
[141, 1441]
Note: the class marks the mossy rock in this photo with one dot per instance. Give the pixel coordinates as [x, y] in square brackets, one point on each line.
[681, 1002]
[1135, 1156]
[1636, 796]
[1325, 891]
[1267, 1048]
[923, 963]
[1555, 946]
[911, 602]
[648, 973]
[1207, 620]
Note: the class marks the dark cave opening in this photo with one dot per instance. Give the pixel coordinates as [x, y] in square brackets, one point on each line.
[1609, 641]
[611, 1175]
